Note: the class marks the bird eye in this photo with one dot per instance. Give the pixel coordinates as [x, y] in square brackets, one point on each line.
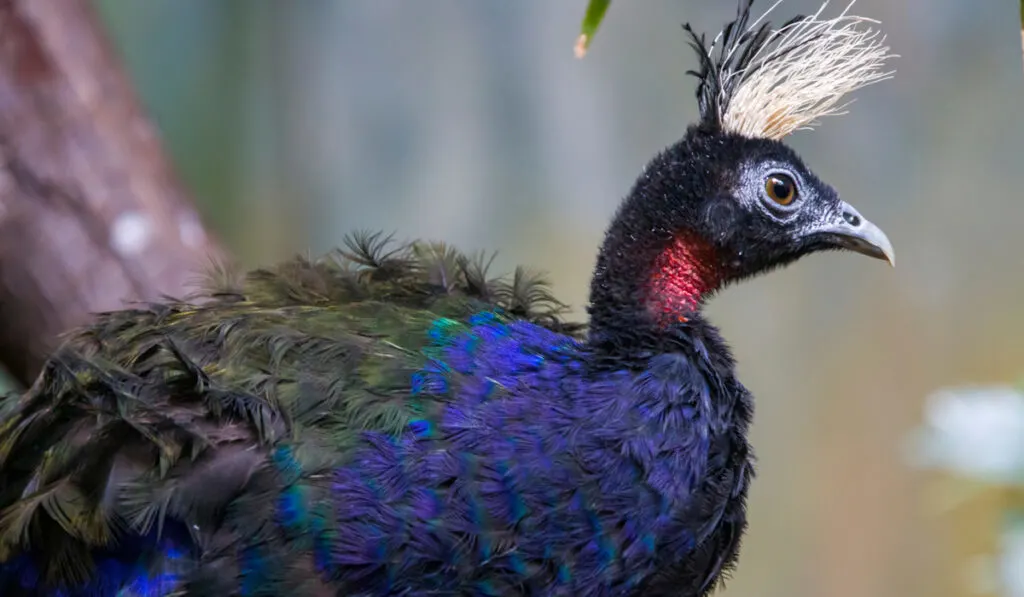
[780, 188]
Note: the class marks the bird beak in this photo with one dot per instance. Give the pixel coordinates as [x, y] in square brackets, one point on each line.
[854, 232]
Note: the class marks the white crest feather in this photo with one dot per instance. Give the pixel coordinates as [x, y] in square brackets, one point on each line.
[803, 72]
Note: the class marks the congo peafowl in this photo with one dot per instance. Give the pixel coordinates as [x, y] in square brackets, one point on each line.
[390, 421]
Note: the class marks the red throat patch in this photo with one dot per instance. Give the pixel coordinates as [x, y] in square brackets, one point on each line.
[682, 275]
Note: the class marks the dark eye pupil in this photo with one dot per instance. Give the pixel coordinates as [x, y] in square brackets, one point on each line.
[780, 188]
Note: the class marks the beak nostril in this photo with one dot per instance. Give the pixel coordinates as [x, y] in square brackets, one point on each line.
[851, 218]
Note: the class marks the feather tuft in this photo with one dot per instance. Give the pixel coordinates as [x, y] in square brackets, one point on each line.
[760, 82]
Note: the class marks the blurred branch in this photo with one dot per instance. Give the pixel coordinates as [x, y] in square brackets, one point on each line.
[1022, 24]
[91, 215]
[591, 21]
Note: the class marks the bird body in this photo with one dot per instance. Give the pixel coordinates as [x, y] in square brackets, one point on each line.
[393, 422]
[464, 452]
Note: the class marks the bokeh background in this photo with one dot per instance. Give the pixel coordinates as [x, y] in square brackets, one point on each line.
[470, 120]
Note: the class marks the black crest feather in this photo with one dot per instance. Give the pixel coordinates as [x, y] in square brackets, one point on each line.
[728, 61]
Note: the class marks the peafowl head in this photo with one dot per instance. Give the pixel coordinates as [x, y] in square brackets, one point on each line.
[731, 200]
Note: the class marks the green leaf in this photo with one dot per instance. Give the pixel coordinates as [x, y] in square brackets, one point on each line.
[592, 20]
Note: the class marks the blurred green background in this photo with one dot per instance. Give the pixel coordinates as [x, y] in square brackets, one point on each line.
[470, 120]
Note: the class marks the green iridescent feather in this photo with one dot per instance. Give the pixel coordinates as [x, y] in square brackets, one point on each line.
[151, 414]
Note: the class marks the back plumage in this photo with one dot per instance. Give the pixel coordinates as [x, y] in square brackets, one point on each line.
[228, 412]
[392, 422]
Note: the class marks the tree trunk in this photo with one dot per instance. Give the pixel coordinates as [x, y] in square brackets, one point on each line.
[91, 215]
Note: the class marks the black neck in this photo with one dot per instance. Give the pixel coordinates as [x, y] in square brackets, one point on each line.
[651, 276]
